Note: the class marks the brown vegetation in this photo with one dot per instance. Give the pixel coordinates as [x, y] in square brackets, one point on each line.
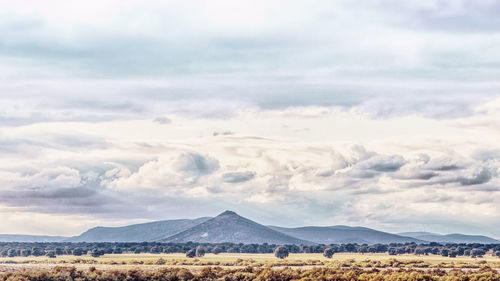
[251, 273]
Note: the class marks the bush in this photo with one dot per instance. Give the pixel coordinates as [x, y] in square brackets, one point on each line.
[281, 252]
[51, 254]
[191, 253]
[200, 251]
[329, 252]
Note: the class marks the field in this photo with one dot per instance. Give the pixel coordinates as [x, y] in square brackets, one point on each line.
[225, 266]
[238, 260]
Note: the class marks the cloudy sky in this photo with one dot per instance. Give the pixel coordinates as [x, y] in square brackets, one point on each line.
[384, 114]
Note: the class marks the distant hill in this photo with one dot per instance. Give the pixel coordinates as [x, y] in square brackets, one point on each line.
[230, 227]
[344, 234]
[451, 238]
[151, 231]
[30, 238]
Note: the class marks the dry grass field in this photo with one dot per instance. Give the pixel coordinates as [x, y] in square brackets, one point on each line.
[236, 260]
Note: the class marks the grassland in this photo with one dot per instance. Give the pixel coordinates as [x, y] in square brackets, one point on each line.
[230, 260]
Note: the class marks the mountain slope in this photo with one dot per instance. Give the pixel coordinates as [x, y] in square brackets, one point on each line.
[230, 227]
[451, 238]
[30, 238]
[137, 232]
[343, 234]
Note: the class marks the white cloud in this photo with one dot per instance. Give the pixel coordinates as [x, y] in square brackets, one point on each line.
[377, 113]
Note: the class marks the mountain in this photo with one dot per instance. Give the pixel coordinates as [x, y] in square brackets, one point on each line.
[30, 238]
[344, 234]
[231, 227]
[451, 238]
[151, 231]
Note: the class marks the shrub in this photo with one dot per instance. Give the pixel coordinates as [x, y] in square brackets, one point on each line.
[191, 253]
[200, 251]
[281, 252]
[329, 252]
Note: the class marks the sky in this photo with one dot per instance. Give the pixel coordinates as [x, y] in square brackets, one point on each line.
[383, 114]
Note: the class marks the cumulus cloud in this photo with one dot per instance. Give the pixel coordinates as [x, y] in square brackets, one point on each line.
[482, 177]
[52, 177]
[269, 111]
[169, 173]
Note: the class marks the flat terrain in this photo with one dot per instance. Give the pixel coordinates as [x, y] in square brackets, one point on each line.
[236, 260]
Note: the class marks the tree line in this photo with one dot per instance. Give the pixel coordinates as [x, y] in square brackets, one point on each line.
[14, 249]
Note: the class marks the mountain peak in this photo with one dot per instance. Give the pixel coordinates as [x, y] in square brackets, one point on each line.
[228, 213]
[233, 228]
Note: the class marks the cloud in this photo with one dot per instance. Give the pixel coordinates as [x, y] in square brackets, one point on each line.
[382, 163]
[214, 64]
[169, 173]
[237, 177]
[376, 124]
[162, 120]
[482, 177]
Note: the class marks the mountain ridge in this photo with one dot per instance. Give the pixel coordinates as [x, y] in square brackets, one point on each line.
[31, 238]
[342, 234]
[231, 227]
[150, 231]
[451, 238]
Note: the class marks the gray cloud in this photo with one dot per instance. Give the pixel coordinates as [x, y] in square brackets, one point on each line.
[261, 64]
[462, 16]
[237, 177]
[382, 163]
[162, 120]
[482, 177]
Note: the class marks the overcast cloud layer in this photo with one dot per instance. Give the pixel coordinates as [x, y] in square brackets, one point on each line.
[375, 113]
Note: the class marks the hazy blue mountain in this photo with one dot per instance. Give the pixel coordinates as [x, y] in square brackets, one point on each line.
[231, 227]
[30, 238]
[344, 234]
[151, 231]
[451, 238]
[416, 233]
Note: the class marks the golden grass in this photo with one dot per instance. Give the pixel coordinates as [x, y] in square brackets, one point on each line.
[233, 257]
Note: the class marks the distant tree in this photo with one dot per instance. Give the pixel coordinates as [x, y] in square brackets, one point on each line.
[217, 249]
[58, 250]
[25, 252]
[392, 251]
[329, 252]
[77, 251]
[200, 251]
[281, 252]
[156, 250]
[479, 253]
[444, 252]
[97, 253]
[419, 251]
[233, 250]
[12, 253]
[191, 253]
[51, 254]
[37, 252]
